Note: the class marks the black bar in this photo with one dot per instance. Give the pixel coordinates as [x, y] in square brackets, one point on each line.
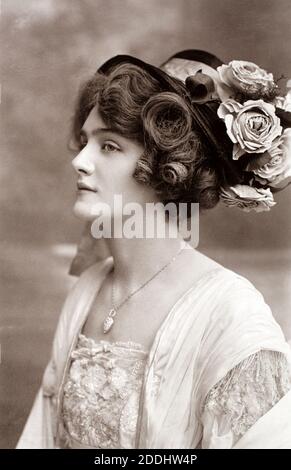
[141, 458]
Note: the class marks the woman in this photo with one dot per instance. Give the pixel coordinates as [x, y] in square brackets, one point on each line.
[205, 365]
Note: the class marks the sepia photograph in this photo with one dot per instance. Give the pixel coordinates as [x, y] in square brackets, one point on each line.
[145, 226]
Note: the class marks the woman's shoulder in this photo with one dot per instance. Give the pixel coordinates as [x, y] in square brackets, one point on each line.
[210, 265]
[228, 294]
[216, 273]
[236, 304]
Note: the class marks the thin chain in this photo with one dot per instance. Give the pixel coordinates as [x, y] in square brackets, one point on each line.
[145, 283]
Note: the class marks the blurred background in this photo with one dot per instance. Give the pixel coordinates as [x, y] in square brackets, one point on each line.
[49, 48]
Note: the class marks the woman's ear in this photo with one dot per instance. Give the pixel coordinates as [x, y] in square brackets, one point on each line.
[89, 251]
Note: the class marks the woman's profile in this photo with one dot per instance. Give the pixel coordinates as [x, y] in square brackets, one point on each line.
[157, 345]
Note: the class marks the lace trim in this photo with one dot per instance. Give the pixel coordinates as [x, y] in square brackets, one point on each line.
[110, 345]
[250, 390]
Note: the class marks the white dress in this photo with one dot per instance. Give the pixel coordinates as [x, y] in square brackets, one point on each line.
[217, 375]
[101, 396]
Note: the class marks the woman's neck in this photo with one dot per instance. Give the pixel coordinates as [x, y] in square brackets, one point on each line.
[137, 259]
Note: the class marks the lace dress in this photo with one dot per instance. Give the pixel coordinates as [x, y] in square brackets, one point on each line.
[101, 396]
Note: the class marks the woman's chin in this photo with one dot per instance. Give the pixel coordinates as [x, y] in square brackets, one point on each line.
[83, 211]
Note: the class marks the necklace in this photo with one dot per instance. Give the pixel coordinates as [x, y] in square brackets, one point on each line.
[109, 320]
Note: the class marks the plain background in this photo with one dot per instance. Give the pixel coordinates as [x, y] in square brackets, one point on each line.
[49, 48]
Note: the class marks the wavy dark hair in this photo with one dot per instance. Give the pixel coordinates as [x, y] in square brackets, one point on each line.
[177, 162]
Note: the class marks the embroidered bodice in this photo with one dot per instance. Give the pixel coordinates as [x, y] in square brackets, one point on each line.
[102, 391]
[101, 394]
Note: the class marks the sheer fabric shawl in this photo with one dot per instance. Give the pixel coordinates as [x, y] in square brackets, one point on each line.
[215, 325]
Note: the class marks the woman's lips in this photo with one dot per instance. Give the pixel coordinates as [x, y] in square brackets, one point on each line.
[84, 187]
[84, 191]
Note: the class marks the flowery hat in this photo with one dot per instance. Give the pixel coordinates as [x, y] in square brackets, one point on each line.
[241, 114]
[257, 119]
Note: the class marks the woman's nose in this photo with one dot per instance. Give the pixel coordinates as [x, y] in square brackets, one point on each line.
[82, 164]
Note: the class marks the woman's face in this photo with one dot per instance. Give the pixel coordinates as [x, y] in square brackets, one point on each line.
[106, 164]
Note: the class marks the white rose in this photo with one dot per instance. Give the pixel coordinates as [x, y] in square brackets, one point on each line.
[252, 126]
[247, 198]
[244, 77]
[278, 169]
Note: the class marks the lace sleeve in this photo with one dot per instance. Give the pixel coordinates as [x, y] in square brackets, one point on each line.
[245, 394]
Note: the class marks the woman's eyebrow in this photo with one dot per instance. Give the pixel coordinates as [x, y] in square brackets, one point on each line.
[99, 130]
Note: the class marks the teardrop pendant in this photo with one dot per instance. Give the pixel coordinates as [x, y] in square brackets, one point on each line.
[108, 322]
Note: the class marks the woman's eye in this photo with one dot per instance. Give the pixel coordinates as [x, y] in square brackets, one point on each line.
[107, 147]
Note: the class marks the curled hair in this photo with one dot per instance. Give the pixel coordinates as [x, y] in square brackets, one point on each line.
[176, 162]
